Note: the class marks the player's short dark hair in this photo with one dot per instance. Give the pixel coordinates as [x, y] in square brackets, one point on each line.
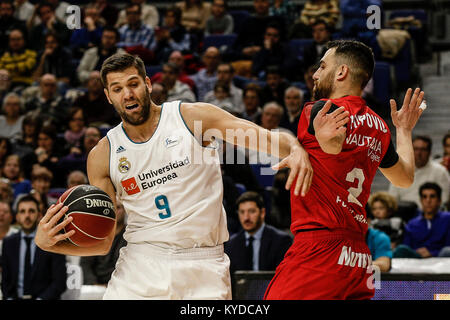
[425, 139]
[432, 186]
[251, 196]
[120, 62]
[359, 56]
[27, 198]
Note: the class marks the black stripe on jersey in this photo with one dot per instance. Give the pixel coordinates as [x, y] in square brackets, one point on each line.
[390, 158]
[318, 105]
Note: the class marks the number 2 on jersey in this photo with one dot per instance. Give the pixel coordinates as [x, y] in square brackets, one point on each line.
[163, 206]
[353, 193]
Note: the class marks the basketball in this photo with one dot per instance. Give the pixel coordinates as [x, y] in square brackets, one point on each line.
[93, 214]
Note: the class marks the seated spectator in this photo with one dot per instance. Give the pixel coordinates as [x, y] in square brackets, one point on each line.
[309, 81]
[176, 90]
[27, 142]
[220, 21]
[427, 235]
[273, 52]
[271, 115]
[24, 10]
[225, 74]
[6, 228]
[18, 60]
[149, 14]
[206, 77]
[312, 54]
[8, 22]
[40, 274]
[55, 60]
[275, 86]
[176, 57]
[380, 247]
[76, 178]
[383, 207]
[171, 36]
[48, 103]
[60, 9]
[313, 10]
[284, 9]
[293, 100]
[11, 119]
[89, 35]
[222, 97]
[49, 23]
[6, 191]
[93, 58]
[96, 108]
[252, 103]
[76, 128]
[5, 150]
[5, 84]
[195, 13]
[136, 37]
[258, 246]
[445, 159]
[97, 270]
[13, 171]
[107, 11]
[425, 170]
[159, 93]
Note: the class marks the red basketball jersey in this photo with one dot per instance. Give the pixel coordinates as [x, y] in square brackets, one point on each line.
[341, 183]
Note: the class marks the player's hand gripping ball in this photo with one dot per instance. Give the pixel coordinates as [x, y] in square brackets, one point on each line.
[93, 214]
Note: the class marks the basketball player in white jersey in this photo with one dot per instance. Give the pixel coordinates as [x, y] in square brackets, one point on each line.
[176, 222]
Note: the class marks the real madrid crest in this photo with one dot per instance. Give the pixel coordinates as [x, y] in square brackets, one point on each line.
[124, 165]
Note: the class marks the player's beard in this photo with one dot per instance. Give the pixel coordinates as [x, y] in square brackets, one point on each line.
[324, 88]
[143, 116]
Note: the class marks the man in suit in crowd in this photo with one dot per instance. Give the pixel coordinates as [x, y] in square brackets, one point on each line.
[27, 271]
[258, 246]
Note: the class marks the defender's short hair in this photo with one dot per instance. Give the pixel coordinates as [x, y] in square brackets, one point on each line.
[120, 62]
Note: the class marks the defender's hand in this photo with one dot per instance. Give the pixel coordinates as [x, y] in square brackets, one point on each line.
[329, 125]
[410, 112]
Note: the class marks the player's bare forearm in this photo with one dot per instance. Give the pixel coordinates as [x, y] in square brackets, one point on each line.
[384, 263]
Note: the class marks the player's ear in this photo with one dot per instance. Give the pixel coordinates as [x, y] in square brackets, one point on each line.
[107, 95]
[148, 83]
[342, 72]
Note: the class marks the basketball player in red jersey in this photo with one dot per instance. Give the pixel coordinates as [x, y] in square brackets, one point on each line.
[346, 142]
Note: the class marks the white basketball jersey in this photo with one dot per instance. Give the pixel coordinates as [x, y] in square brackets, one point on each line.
[173, 198]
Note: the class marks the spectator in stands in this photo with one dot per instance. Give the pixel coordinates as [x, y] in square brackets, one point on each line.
[252, 103]
[107, 11]
[13, 171]
[195, 13]
[60, 9]
[222, 97]
[76, 178]
[176, 90]
[275, 86]
[220, 21]
[313, 10]
[273, 52]
[93, 58]
[48, 103]
[284, 9]
[97, 270]
[49, 23]
[31, 125]
[258, 246]
[47, 279]
[149, 14]
[380, 247]
[272, 113]
[445, 159]
[251, 38]
[55, 60]
[426, 170]
[172, 35]
[5, 150]
[24, 10]
[159, 93]
[6, 191]
[225, 74]
[5, 84]
[206, 77]
[383, 208]
[76, 128]
[96, 108]
[137, 37]
[309, 81]
[177, 58]
[8, 22]
[427, 235]
[76, 159]
[12, 118]
[312, 54]
[293, 100]
[90, 34]
[6, 229]
[18, 59]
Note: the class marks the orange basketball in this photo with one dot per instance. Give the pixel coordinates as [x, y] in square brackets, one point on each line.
[93, 214]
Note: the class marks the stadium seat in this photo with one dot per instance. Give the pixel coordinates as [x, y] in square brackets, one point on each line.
[297, 47]
[300, 85]
[239, 16]
[264, 174]
[382, 82]
[241, 188]
[220, 41]
[406, 210]
[104, 130]
[152, 70]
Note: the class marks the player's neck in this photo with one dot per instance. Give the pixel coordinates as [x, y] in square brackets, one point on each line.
[143, 132]
[345, 91]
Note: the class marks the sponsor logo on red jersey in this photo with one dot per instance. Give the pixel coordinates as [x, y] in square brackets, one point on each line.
[130, 186]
